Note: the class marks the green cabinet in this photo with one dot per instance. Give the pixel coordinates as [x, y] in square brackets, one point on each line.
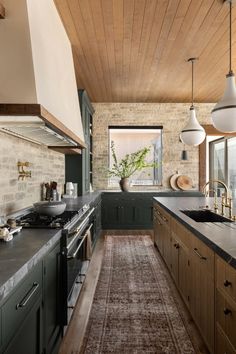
[22, 316]
[133, 210]
[52, 301]
[30, 320]
[96, 220]
[28, 337]
[79, 168]
[127, 210]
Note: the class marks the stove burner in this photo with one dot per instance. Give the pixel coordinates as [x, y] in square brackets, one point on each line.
[36, 221]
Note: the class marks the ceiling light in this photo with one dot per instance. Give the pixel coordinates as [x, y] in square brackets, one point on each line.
[193, 133]
[224, 113]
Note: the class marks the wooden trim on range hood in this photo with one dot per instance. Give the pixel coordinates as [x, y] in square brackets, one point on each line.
[41, 112]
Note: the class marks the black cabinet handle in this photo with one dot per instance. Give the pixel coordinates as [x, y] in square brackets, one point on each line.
[176, 245]
[227, 283]
[28, 296]
[227, 311]
[199, 255]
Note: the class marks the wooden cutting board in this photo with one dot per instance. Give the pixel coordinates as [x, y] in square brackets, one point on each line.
[184, 182]
[173, 180]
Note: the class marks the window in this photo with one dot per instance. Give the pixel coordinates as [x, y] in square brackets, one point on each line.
[223, 162]
[130, 139]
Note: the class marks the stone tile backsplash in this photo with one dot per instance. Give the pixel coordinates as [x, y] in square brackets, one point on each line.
[45, 165]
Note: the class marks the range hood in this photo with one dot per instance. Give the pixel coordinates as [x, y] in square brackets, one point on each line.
[39, 99]
[34, 123]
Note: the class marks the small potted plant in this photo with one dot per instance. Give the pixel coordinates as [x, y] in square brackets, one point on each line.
[128, 165]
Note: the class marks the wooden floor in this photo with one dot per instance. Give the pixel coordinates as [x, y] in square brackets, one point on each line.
[74, 335]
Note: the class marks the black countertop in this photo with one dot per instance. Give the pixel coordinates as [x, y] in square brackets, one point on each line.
[220, 237]
[29, 246]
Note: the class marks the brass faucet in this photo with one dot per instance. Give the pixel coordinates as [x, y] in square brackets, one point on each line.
[216, 181]
[226, 200]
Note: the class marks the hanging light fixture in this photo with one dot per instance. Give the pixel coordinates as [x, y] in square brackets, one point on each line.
[193, 133]
[224, 113]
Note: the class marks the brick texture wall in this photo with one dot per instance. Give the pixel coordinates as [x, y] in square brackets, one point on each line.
[173, 117]
[45, 164]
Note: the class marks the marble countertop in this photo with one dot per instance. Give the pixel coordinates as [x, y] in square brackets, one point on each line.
[220, 237]
[29, 246]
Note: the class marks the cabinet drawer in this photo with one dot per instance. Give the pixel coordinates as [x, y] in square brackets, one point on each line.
[164, 215]
[204, 255]
[226, 278]
[183, 234]
[223, 345]
[20, 302]
[226, 316]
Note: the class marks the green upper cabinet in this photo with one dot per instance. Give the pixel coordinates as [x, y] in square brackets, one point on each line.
[79, 167]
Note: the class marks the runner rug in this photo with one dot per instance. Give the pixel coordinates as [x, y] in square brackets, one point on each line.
[133, 310]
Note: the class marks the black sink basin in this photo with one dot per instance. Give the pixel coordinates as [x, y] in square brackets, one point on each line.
[205, 216]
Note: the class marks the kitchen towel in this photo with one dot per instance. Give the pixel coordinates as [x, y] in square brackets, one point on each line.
[88, 245]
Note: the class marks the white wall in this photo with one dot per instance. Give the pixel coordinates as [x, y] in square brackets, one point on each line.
[16, 64]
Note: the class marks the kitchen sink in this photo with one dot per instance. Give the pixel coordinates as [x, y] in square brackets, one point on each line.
[205, 216]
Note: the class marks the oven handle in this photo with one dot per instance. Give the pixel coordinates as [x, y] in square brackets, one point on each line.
[79, 229]
[74, 255]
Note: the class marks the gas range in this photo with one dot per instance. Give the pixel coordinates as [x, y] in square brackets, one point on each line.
[66, 220]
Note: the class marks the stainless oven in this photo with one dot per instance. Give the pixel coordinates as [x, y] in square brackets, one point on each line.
[74, 247]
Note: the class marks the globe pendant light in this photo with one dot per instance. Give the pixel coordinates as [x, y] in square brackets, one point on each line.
[193, 133]
[224, 113]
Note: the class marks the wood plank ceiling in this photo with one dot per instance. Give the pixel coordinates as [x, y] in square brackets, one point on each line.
[136, 50]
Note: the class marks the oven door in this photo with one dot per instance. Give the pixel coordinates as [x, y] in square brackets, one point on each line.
[74, 265]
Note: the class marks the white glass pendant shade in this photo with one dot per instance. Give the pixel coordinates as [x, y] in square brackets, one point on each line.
[224, 113]
[193, 133]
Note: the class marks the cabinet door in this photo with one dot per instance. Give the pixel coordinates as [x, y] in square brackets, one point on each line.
[174, 255]
[184, 273]
[143, 208]
[52, 319]
[28, 338]
[202, 296]
[158, 232]
[111, 214]
[223, 346]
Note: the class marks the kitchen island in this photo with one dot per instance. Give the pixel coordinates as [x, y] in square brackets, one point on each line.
[220, 237]
[201, 258]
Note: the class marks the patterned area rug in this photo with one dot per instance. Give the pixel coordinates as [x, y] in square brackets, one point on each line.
[133, 309]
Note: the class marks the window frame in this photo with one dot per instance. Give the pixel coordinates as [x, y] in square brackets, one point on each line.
[141, 127]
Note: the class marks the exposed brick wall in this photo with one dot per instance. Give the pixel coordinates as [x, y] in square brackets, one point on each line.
[45, 164]
[173, 117]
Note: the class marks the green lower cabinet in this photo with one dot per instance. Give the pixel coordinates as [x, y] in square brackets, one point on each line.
[22, 318]
[52, 286]
[28, 338]
[127, 211]
[97, 222]
[144, 213]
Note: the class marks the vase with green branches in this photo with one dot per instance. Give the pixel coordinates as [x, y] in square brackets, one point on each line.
[128, 165]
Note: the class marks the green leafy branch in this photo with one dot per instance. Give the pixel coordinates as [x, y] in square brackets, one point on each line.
[130, 163]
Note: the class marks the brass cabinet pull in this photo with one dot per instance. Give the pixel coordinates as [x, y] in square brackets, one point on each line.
[227, 311]
[28, 296]
[227, 283]
[199, 255]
